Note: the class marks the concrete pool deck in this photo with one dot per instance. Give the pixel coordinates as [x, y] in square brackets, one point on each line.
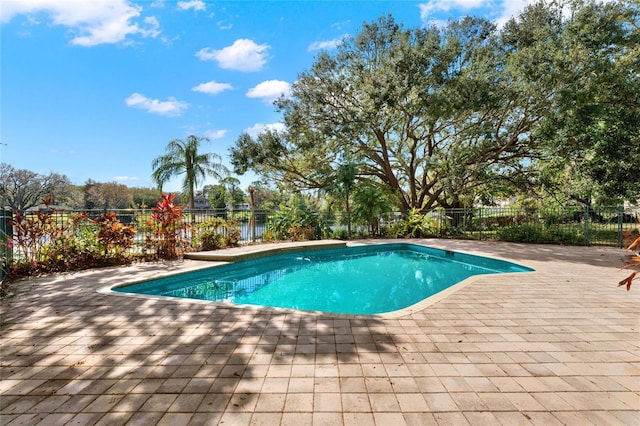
[556, 346]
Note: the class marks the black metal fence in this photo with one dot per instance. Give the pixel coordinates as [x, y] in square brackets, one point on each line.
[607, 226]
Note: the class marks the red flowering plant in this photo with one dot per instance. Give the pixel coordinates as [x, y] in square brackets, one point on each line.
[635, 262]
[166, 227]
[46, 240]
[114, 236]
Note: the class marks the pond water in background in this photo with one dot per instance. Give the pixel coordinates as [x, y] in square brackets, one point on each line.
[353, 280]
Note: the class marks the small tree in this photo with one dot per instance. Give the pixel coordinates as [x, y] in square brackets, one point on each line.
[166, 223]
[635, 262]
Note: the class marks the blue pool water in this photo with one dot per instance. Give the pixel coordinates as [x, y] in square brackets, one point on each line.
[354, 280]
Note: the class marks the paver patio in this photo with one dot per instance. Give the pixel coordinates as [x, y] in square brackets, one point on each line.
[556, 346]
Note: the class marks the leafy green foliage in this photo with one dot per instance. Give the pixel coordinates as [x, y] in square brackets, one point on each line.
[218, 233]
[293, 222]
[415, 225]
[541, 234]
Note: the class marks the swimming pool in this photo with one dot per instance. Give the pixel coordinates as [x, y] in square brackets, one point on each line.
[353, 280]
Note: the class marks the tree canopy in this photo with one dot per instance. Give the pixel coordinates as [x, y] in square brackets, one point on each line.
[184, 158]
[21, 189]
[440, 115]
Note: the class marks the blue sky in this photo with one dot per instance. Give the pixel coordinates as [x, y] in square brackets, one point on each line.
[96, 89]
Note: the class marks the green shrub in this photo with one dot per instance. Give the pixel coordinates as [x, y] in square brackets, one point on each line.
[415, 225]
[541, 234]
[293, 222]
[217, 233]
[211, 240]
[340, 234]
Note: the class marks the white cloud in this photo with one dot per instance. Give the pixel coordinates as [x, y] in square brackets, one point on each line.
[171, 107]
[510, 9]
[270, 90]
[215, 134]
[193, 4]
[126, 179]
[432, 6]
[90, 22]
[258, 128]
[327, 44]
[212, 87]
[242, 55]
[504, 9]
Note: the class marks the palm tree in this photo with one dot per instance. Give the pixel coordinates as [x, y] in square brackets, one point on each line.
[182, 157]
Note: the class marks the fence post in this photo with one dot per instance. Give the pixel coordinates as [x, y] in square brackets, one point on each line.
[586, 225]
[6, 233]
[620, 220]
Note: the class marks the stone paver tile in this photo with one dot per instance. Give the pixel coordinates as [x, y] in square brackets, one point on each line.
[175, 419]
[275, 385]
[110, 419]
[456, 384]
[378, 385]
[54, 419]
[76, 404]
[186, 403]
[145, 418]
[328, 419]
[627, 417]
[512, 418]
[468, 401]
[159, 402]
[123, 386]
[327, 402]
[542, 418]
[131, 402]
[24, 420]
[270, 402]
[326, 384]
[631, 399]
[384, 402]
[573, 418]
[103, 403]
[607, 418]
[19, 387]
[301, 384]
[396, 419]
[297, 419]
[440, 402]
[266, 419]
[299, 402]
[523, 401]
[430, 384]
[47, 405]
[205, 419]
[360, 419]
[355, 402]
[495, 401]
[481, 418]
[85, 418]
[412, 402]
[420, 419]
[450, 419]
[352, 384]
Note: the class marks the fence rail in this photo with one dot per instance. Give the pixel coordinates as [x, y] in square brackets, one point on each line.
[606, 226]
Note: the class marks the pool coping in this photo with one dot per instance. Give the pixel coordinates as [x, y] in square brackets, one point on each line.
[257, 251]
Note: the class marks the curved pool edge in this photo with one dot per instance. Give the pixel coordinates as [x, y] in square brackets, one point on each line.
[256, 252]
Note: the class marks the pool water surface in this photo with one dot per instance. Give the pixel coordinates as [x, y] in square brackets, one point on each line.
[353, 280]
